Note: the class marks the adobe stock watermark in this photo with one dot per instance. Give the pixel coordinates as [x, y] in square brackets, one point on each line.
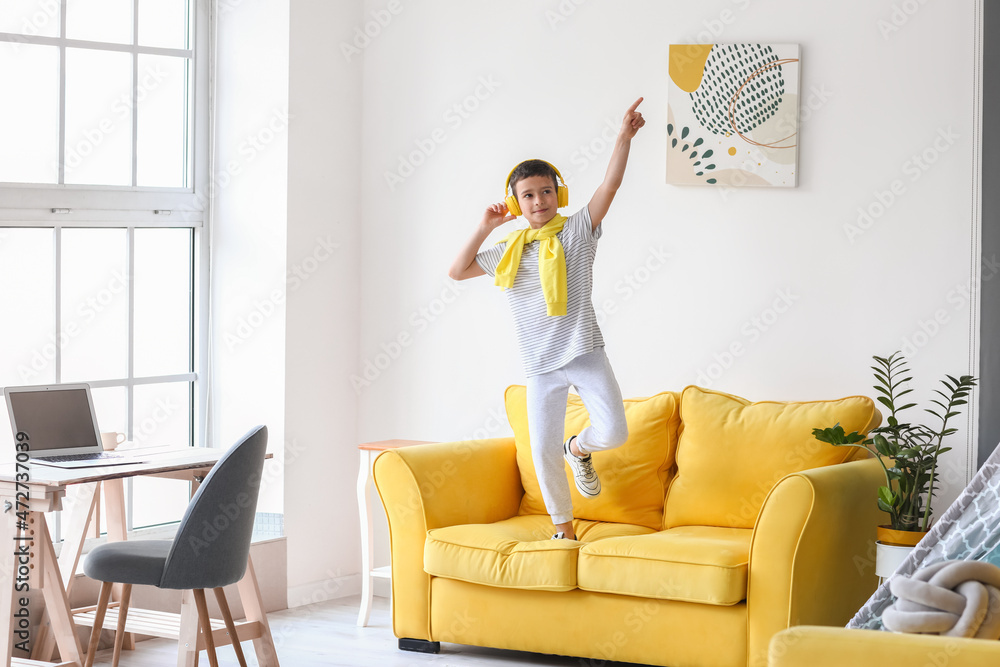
[432, 482]
[391, 350]
[713, 29]
[632, 282]
[265, 308]
[609, 645]
[89, 309]
[32, 24]
[899, 16]
[248, 149]
[364, 34]
[913, 168]
[228, 514]
[751, 331]
[120, 118]
[809, 105]
[562, 11]
[958, 297]
[162, 411]
[587, 153]
[453, 117]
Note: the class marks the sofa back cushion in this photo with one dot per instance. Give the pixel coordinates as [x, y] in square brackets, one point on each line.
[731, 452]
[634, 476]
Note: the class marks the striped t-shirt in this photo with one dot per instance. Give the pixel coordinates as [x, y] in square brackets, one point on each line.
[550, 342]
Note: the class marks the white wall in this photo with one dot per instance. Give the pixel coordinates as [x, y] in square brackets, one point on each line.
[381, 345]
[560, 73]
[248, 253]
[324, 225]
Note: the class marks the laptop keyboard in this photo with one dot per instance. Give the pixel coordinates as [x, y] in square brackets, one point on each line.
[94, 456]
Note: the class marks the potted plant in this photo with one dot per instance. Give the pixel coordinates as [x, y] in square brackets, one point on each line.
[912, 450]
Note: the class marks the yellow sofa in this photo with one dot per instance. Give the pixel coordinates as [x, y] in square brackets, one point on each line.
[835, 647]
[721, 522]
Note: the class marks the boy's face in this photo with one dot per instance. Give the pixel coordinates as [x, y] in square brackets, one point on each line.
[538, 199]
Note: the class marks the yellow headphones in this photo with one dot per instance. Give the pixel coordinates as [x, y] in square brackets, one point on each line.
[562, 192]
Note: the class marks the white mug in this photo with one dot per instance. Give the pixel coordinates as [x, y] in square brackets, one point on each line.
[111, 439]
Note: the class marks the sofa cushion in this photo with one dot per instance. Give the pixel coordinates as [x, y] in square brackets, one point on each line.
[703, 564]
[731, 452]
[515, 553]
[633, 476]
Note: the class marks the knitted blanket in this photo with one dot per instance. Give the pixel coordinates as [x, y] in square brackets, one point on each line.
[969, 530]
[955, 598]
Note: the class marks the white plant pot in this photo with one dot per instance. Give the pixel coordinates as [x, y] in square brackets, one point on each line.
[888, 557]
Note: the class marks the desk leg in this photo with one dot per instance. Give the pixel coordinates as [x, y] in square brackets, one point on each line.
[78, 509]
[187, 643]
[367, 537]
[114, 500]
[8, 569]
[54, 594]
[253, 610]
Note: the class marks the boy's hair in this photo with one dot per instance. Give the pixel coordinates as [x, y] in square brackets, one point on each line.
[530, 168]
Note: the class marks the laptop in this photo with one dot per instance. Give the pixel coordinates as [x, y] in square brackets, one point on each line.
[61, 426]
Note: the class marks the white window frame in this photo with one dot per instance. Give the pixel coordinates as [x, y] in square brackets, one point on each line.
[61, 206]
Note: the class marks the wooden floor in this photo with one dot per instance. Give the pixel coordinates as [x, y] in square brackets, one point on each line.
[327, 634]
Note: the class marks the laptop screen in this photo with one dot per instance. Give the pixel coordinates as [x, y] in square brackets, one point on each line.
[54, 418]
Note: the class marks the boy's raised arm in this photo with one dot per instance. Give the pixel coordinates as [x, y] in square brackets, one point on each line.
[605, 194]
[465, 265]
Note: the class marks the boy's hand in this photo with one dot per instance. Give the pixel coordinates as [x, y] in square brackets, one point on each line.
[496, 215]
[632, 122]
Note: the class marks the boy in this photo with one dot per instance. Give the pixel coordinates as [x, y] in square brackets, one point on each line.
[548, 272]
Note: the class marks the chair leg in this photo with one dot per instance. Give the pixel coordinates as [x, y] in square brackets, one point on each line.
[206, 626]
[122, 614]
[95, 634]
[227, 616]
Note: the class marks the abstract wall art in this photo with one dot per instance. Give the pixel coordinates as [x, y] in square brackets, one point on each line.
[733, 115]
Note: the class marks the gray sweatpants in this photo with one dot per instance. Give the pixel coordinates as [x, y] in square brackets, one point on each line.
[594, 380]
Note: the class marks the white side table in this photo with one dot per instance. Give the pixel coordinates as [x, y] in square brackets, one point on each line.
[370, 450]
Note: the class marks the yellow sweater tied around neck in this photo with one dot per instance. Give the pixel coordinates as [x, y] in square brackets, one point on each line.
[551, 262]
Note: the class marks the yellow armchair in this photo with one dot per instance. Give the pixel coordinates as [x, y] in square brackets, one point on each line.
[836, 647]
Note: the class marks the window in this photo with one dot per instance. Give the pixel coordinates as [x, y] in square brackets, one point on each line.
[103, 251]
[103, 92]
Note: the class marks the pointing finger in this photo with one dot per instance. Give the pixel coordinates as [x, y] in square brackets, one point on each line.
[636, 104]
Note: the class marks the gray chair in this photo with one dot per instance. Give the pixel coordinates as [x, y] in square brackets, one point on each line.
[210, 550]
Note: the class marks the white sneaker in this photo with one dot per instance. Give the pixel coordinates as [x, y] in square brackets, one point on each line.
[559, 536]
[587, 482]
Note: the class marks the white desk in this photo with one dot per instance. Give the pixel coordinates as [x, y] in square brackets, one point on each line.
[75, 490]
[369, 451]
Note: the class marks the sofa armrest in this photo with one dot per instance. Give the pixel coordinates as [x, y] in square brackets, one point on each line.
[432, 486]
[812, 555]
[835, 647]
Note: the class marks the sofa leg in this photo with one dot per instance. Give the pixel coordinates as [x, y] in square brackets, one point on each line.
[419, 645]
